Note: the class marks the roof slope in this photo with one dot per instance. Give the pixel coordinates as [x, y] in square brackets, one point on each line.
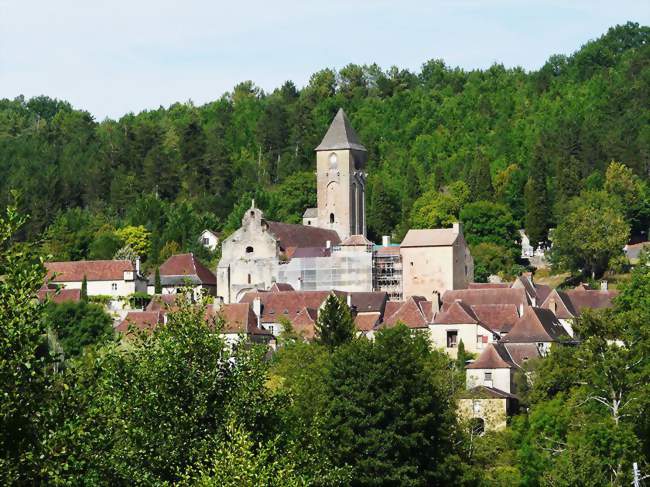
[238, 318]
[457, 313]
[536, 325]
[292, 235]
[180, 266]
[434, 237]
[93, 270]
[140, 320]
[472, 297]
[410, 313]
[594, 299]
[499, 317]
[340, 135]
[495, 356]
[59, 295]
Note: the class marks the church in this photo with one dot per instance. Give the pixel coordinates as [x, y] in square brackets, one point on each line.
[330, 249]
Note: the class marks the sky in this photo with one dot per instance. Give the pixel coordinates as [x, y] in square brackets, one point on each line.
[118, 56]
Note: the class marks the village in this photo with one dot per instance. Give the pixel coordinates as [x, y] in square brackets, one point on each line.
[274, 274]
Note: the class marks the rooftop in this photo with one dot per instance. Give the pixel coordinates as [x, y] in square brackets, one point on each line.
[340, 135]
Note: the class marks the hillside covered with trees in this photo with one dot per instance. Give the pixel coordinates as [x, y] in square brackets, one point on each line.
[439, 140]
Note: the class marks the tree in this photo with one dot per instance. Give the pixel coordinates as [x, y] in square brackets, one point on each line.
[536, 203]
[386, 416]
[334, 325]
[436, 210]
[79, 325]
[480, 179]
[135, 237]
[592, 232]
[84, 289]
[384, 212]
[491, 259]
[157, 283]
[487, 222]
[25, 373]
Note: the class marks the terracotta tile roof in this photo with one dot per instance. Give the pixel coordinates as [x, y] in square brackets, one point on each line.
[410, 313]
[308, 252]
[485, 392]
[366, 321]
[164, 302]
[473, 297]
[435, 237]
[291, 235]
[59, 296]
[559, 303]
[304, 323]
[593, 299]
[287, 304]
[181, 266]
[499, 317]
[94, 270]
[428, 310]
[536, 325]
[489, 285]
[355, 240]
[141, 320]
[456, 313]
[365, 302]
[280, 286]
[392, 307]
[238, 318]
[520, 353]
[495, 356]
[542, 292]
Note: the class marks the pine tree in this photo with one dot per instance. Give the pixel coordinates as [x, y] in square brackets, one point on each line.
[536, 202]
[157, 283]
[480, 179]
[335, 325]
[461, 356]
[84, 289]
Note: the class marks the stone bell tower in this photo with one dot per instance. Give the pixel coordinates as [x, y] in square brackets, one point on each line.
[341, 181]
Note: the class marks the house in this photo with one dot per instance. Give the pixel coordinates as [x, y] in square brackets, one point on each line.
[527, 250]
[435, 261]
[209, 239]
[458, 322]
[140, 321]
[538, 327]
[184, 270]
[487, 408]
[488, 296]
[114, 278]
[567, 305]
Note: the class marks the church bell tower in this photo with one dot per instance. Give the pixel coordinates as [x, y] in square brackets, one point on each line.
[341, 181]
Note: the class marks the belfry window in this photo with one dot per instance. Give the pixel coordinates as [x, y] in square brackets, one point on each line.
[331, 217]
[249, 250]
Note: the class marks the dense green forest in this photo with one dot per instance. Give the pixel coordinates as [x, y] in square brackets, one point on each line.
[528, 141]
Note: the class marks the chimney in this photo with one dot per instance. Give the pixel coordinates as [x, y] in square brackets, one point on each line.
[385, 240]
[349, 300]
[603, 285]
[257, 308]
[456, 227]
[328, 244]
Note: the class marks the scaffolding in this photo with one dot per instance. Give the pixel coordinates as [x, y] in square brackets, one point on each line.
[387, 271]
[342, 270]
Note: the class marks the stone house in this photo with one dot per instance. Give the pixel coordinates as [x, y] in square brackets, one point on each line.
[434, 261]
[209, 239]
[184, 270]
[116, 279]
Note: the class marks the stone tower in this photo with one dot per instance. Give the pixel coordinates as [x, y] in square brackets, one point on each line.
[341, 182]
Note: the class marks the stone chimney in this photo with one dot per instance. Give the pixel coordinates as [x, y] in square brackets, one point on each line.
[385, 240]
[257, 308]
[456, 226]
[349, 300]
[328, 244]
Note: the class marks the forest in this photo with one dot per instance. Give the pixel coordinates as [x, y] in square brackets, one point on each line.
[524, 143]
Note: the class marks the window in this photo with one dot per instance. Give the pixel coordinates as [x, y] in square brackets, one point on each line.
[252, 213]
[114, 286]
[206, 241]
[452, 339]
[487, 377]
[477, 425]
[331, 217]
[249, 278]
[249, 250]
[308, 222]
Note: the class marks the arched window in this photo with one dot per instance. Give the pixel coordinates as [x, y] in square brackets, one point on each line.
[331, 217]
[477, 426]
[249, 250]
[252, 213]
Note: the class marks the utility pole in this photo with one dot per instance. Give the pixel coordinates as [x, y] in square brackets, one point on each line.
[635, 469]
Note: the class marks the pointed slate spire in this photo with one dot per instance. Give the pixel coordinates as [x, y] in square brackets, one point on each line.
[340, 135]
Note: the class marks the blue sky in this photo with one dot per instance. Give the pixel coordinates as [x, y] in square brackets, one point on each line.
[113, 57]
